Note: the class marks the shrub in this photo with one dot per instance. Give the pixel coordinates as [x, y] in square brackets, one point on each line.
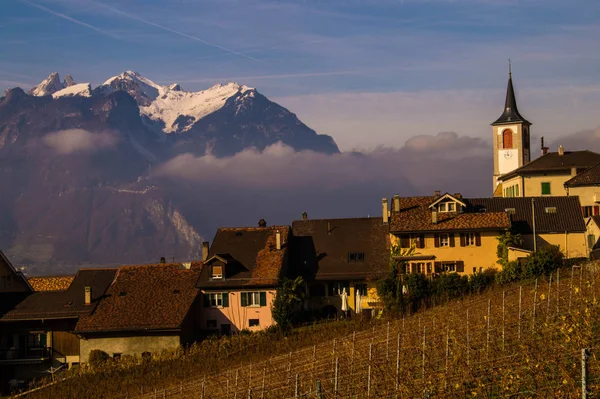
[287, 302]
[482, 280]
[511, 272]
[542, 262]
[98, 358]
[450, 285]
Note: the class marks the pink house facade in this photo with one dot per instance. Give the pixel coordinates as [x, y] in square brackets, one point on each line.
[240, 276]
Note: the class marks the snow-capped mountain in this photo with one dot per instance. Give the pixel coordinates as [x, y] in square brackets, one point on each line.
[51, 85]
[170, 104]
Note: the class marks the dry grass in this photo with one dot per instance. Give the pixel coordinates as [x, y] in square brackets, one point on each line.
[480, 347]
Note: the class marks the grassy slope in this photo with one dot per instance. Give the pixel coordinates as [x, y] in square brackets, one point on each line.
[441, 351]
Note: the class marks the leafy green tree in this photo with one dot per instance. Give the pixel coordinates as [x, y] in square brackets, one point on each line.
[287, 302]
[505, 240]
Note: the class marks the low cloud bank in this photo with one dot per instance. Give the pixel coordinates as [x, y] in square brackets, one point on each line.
[70, 141]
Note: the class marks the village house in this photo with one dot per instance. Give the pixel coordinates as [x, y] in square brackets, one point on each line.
[341, 257]
[240, 276]
[37, 333]
[437, 234]
[451, 233]
[146, 309]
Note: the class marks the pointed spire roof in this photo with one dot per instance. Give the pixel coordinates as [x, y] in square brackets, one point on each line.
[511, 112]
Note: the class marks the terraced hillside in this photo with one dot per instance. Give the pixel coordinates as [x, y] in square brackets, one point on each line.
[522, 341]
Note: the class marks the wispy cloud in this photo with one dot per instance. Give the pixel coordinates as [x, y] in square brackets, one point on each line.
[176, 32]
[68, 18]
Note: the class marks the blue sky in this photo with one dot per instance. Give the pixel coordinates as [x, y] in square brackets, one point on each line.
[368, 72]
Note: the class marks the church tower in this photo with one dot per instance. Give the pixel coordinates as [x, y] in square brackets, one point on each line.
[511, 136]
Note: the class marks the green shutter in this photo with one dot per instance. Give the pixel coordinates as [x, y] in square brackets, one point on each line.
[263, 299]
[546, 188]
[244, 296]
[225, 300]
[206, 301]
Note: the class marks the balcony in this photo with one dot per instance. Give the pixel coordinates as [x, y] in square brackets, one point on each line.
[24, 355]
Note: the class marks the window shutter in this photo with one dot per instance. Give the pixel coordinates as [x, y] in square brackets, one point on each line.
[225, 300]
[451, 235]
[263, 299]
[43, 341]
[244, 297]
[460, 266]
[478, 239]
[596, 210]
[583, 211]
[422, 241]
[436, 239]
[438, 267]
[206, 301]
[404, 241]
[463, 241]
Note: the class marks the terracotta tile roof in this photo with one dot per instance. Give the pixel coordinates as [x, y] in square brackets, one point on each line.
[251, 254]
[320, 248]
[50, 283]
[589, 177]
[68, 303]
[552, 161]
[147, 297]
[415, 216]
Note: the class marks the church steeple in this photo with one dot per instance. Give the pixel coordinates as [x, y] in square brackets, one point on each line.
[511, 112]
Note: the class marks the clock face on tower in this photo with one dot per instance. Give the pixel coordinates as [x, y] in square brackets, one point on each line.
[508, 154]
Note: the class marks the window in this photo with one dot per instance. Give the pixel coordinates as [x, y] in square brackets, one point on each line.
[337, 287]
[451, 207]
[587, 211]
[448, 266]
[550, 209]
[216, 300]
[217, 272]
[447, 207]
[361, 289]
[507, 137]
[510, 211]
[546, 188]
[211, 324]
[442, 207]
[253, 323]
[356, 257]
[470, 239]
[444, 240]
[254, 299]
[517, 190]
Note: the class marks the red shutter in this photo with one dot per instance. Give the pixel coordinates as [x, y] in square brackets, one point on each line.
[436, 239]
[596, 210]
[451, 235]
[460, 266]
[478, 239]
[583, 211]
[463, 241]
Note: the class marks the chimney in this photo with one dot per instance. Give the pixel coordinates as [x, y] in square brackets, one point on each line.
[262, 223]
[163, 260]
[458, 195]
[278, 240]
[328, 227]
[437, 194]
[434, 215]
[384, 210]
[88, 295]
[396, 203]
[304, 216]
[561, 150]
[204, 251]
[573, 170]
[544, 149]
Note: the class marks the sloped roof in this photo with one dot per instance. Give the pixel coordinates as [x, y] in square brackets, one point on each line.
[320, 248]
[148, 297]
[567, 217]
[68, 303]
[553, 162]
[50, 283]
[253, 259]
[415, 216]
[589, 177]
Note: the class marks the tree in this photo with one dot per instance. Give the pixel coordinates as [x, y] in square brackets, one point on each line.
[288, 298]
[505, 240]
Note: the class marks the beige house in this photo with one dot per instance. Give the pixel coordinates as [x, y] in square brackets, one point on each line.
[446, 233]
[586, 186]
[147, 309]
[548, 174]
[341, 261]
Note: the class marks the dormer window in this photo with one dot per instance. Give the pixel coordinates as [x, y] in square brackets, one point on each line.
[217, 272]
[447, 207]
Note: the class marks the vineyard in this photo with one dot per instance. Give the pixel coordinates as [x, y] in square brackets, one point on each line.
[530, 340]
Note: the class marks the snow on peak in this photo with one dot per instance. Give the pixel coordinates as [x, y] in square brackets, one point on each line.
[80, 89]
[48, 86]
